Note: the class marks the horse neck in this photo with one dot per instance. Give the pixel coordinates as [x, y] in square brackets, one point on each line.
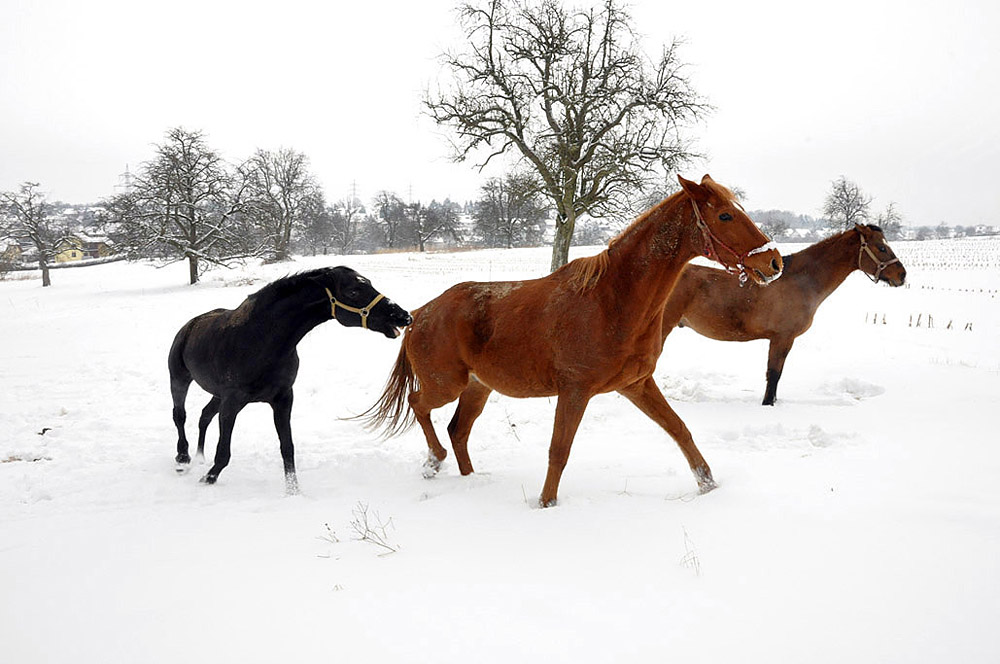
[648, 258]
[288, 319]
[828, 263]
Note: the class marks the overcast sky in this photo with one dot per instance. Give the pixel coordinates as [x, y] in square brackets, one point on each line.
[900, 97]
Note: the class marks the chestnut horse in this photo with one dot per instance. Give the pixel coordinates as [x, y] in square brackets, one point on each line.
[592, 326]
[712, 303]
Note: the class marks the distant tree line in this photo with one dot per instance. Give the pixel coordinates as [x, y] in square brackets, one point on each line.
[847, 204]
[189, 204]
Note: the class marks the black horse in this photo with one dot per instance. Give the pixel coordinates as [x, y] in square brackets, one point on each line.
[247, 354]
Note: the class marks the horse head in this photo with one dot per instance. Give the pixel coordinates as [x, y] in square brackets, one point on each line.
[876, 258]
[730, 236]
[354, 302]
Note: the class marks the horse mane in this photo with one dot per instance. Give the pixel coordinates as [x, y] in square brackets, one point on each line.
[584, 273]
[280, 288]
[822, 245]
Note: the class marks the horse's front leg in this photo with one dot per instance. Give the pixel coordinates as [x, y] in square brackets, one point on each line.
[229, 408]
[282, 407]
[570, 407]
[777, 351]
[648, 398]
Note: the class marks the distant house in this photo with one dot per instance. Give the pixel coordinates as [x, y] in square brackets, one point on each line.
[10, 251]
[69, 249]
[80, 246]
[95, 246]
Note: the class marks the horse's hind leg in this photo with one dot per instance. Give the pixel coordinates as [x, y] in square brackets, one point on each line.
[422, 402]
[207, 413]
[648, 398]
[776, 354]
[282, 407]
[228, 410]
[470, 406]
[178, 392]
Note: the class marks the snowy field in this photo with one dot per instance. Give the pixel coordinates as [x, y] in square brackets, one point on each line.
[856, 521]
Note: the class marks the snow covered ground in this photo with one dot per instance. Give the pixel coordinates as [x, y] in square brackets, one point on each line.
[856, 521]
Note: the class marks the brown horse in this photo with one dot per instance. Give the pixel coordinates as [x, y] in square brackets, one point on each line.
[714, 304]
[592, 326]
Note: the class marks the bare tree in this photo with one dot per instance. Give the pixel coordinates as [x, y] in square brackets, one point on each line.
[281, 196]
[774, 223]
[846, 204]
[511, 211]
[390, 215]
[425, 222]
[28, 217]
[346, 217]
[891, 222]
[184, 204]
[573, 94]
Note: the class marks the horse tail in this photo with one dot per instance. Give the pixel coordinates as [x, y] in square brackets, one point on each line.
[392, 412]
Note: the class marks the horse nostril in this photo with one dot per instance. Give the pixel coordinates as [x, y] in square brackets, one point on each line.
[774, 265]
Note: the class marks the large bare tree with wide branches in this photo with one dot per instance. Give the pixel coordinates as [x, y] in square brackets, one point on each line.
[570, 92]
[184, 204]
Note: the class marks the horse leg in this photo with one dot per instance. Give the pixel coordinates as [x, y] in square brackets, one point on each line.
[422, 402]
[228, 410]
[470, 406]
[207, 413]
[648, 398]
[776, 353]
[282, 407]
[178, 391]
[570, 407]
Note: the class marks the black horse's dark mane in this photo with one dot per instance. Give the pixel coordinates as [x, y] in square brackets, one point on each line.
[285, 286]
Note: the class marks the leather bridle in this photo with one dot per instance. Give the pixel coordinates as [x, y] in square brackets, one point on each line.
[712, 242]
[879, 265]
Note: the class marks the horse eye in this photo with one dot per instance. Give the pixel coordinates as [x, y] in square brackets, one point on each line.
[725, 216]
[883, 249]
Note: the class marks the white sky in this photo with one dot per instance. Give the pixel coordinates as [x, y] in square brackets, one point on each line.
[900, 97]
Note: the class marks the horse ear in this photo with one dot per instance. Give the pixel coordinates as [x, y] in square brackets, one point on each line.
[859, 228]
[706, 178]
[697, 192]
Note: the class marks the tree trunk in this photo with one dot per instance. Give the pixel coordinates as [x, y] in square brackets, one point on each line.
[193, 269]
[562, 240]
[44, 266]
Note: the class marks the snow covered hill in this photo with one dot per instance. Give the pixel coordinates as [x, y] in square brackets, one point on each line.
[856, 521]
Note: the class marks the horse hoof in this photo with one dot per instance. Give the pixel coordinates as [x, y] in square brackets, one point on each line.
[209, 479]
[706, 486]
[291, 487]
[705, 481]
[431, 467]
[182, 468]
[547, 503]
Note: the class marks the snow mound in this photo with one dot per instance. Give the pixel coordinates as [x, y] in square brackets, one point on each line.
[851, 389]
